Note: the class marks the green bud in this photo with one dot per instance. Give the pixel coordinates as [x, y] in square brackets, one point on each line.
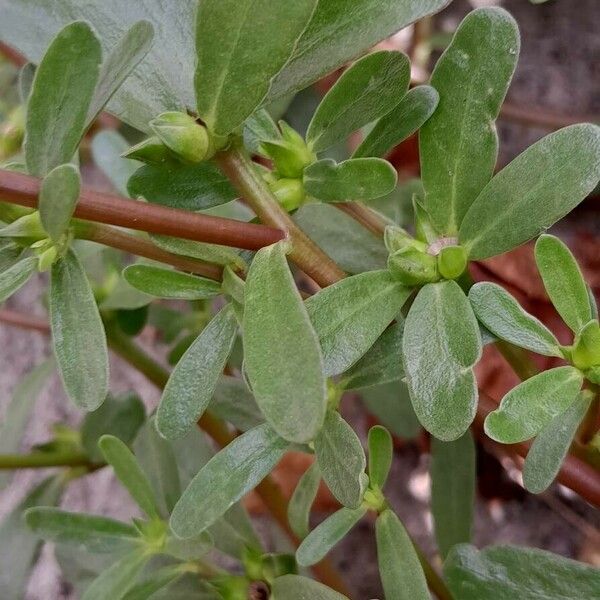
[47, 258]
[335, 392]
[413, 267]
[289, 193]
[183, 135]
[289, 134]
[231, 587]
[290, 155]
[452, 261]
[395, 238]
[585, 352]
[151, 151]
[277, 565]
[374, 499]
[12, 132]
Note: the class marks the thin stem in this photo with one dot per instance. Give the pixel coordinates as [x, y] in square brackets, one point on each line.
[12, 317]
[42, 460]
[239, 168]
[367, 217]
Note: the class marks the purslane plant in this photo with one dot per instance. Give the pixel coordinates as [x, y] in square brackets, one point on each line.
[257, 362]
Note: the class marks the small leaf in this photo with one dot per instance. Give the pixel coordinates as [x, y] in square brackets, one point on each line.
[259, 128]
[228, 476]
[15, 277]
[283, 358]
[341, 460]
[168, 283]
[302, 500]
[563, 281]
[194, 379]
[459, 143]
[550, 447]
[296, 587]
[441, 345]
[353, 179]
[367, 90]
[505, 318]
[399, 567]
[234, 76]
[62, 90]
[90, 532]
[400, 123]
[107, 148]
[381, 452]
[189, 187]
[530, 406]
[234, 402]
[453, 480]
[130, 474]
[327, 534]
[127, 53]
[59, 193]
[78, 334]
[509, 572]
[350, 315]
[535, 190]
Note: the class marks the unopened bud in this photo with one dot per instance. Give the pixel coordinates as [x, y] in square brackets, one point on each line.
[289, 193]
[151, 151]
[182, 135]
[290, 155]
[452, 261]
[47, 258]
[413, 267]
[586, 349]
[395, 238]
[12, 132]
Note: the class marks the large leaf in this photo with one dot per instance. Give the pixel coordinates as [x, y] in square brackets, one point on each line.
[503, 316]
[255, 40]
[369, 89]
[16, 276]
[62, 91]
[59, 193]
[563, 281]
[459, 143]
[350, 315]
[78, 334]
[296, 587]
[302, 499]
[453, 490]
[230, 474]
[535, 190]
[530, 406]
[409, 115]
[440, 347]
[194, 379]
[283, 358]
[509, 572]
[399, 567]
[341, 460]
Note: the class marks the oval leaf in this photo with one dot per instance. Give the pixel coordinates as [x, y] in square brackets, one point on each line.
[296, 587]
[15, 277]
[381, 452]
[530, 406]
[194, 379]
[225, 478]
[283, 358]
[369, 89]
[59, 193]
[302, 499]
[535, 190]
[440, 347]
[78, 334]
[353, 179]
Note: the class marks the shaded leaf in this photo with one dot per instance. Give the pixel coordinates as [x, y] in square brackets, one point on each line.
[296, 587]
[107, 147]
[58, 197]
[16, 276]
[156, 581]
[234, 402]
[381, 452]
[302, 500]
[258, 128]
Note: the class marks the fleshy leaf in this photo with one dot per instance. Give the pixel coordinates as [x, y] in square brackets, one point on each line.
[302, 499]
[296, 587]
[156, 581]
[58, 197]
[259, 128]
[233, 402]
[16, 276]
[381, 451]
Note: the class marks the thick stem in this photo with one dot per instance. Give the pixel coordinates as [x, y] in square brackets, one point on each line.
[239, 168]
[42, 460]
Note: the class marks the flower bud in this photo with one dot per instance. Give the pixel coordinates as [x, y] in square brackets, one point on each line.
[47, 258]
[290, 154]
[395, 238]
[413, 267]
[182, 135]
[585, 352]
[452, 261]
[151, 151]
[289, 193]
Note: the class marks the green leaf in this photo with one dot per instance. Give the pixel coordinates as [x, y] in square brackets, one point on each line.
[296, 587]
[258, 128]
[15, 277]
[453, 480]
[509, 572]
[350, 315]
[107, 147]
[341, 460]
[401, 573]
[157, 581]
[563, 281]
[505, 318]
[459, 143]
[130, 474]
[369, 89]
[91, 532]
[168, 283]
[194, 379]
[62, 90]
[58, 197]
[256, 38]
[234, 402]
[413, 110]
[440, 347]
[122, 59]
[228, 476]
[353, 179]
[550, 447]
[78, 334]
[327, 534]
[283, 358]
[121, 416]
[118, 578]
[535, 190]
[190, 187]
[302, 500]
[10, 253]
[530, 406]
[381, 453]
